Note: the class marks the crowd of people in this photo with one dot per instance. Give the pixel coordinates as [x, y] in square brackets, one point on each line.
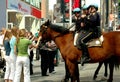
[18, 45]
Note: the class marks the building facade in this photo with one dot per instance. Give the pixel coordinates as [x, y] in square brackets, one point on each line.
[109, 7]
[23, 13]
[64, 5]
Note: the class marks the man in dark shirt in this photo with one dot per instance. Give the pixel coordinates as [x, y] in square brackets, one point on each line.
[44, 58]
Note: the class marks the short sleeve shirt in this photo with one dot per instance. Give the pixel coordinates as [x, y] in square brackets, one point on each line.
[12, 44]
[22, 46]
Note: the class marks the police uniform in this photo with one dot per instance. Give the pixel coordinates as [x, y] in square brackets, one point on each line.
[90, 30]
[76, 19]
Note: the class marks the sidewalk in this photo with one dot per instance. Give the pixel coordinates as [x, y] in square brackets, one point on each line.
[36, 77]
[56, 77]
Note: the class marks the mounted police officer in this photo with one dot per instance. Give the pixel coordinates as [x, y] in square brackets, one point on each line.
[76, 18]
[89, 29]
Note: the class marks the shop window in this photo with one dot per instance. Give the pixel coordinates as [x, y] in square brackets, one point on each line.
[32, 2]
[35, 3]
[10, 25]
[27, 1]
[14, 18]
[38, 3]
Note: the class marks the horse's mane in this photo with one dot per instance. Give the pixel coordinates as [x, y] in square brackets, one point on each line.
[58, 28]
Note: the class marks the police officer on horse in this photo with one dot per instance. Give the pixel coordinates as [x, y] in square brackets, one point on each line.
[76, 18]
[89, 28]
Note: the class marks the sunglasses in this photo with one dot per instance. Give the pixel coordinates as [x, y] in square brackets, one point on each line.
[76, 12]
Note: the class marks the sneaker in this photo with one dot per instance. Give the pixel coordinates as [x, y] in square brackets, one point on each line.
[53, 72]
[45, 75]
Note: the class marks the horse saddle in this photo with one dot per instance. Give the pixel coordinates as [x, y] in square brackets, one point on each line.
[95, 42]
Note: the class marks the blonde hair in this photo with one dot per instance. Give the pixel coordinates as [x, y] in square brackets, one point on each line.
[22, 33]
[7, 34]
[14, 31]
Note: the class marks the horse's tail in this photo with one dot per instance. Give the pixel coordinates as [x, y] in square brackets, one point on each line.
[115, 61]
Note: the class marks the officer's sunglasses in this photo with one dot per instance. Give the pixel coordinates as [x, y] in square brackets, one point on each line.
[76, 12]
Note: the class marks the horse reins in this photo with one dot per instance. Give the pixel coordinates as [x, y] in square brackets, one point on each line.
[44, 31]
[68, 29]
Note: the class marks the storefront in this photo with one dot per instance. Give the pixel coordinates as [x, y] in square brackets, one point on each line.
[13, 18]
[15, 13]
[2, 13]
[36, 15]
[22, 15]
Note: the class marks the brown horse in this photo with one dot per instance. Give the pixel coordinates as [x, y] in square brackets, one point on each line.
[64, 40]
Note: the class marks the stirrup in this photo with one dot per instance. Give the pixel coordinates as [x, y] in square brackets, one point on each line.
[78, 47]
[85, 60]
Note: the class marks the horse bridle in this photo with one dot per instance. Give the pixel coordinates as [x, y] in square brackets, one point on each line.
[44, 32]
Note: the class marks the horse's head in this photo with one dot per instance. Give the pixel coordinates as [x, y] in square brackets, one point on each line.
[44, 30]
[50, 31]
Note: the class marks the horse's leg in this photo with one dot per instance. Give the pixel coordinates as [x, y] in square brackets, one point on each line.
[73, 69]
[67, 74]
[97, 70]
[105, 64]
[111, 67]
[77, 73]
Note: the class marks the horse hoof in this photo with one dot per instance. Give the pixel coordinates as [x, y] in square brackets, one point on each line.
[64, 80]
[109, 80]
[104, 78]
[94, 78]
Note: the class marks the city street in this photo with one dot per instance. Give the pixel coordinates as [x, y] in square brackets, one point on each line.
[86, 73]
[74, 28]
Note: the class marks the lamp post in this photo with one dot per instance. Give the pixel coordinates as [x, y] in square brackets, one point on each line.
[70, 13]
[63, 11]
[115, 14]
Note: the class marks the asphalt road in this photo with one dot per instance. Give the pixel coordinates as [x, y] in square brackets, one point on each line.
[86, 73]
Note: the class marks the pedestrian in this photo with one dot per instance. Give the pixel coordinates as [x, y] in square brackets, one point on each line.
[13, 55]
[31, 54]
[2, 31]
[7, 53]
[22, 44]
[44, 58]
[52, 51]
[111, 22]
[37, 49]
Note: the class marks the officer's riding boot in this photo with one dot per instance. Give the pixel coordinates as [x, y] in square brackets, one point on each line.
[85, 55]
